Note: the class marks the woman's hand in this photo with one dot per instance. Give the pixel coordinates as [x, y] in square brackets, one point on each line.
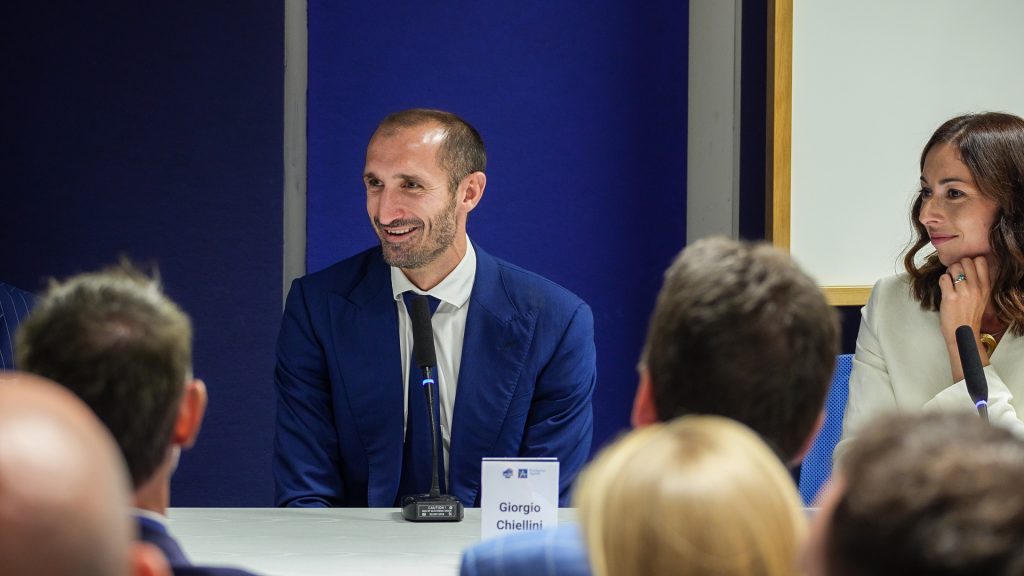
[963, 303]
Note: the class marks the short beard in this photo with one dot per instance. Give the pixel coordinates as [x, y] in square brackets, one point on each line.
[442, 230]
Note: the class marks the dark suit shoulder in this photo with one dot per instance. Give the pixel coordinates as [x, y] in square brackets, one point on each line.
[560, 551]
[15, 300]
[209, 571]
[15, 305]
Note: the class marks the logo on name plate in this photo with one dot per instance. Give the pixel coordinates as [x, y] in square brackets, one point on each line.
[507, 473]
[522, 473]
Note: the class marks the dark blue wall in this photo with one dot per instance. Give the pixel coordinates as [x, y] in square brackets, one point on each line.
[153, 129]
[582, 105]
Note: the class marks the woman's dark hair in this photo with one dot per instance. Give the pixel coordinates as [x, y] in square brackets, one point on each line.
[991, 145]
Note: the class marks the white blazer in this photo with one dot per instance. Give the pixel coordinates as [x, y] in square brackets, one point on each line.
[901, 365]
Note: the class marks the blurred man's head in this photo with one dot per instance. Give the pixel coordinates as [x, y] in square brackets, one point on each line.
[740, 331]
[936, 494]
[115, 340]
[64, 491]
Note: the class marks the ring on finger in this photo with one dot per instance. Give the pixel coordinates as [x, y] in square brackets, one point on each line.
[959, 278]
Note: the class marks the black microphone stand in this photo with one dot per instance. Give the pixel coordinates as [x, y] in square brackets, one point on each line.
[433, 506]
[428, 391]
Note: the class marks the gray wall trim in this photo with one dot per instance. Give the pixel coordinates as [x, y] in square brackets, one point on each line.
[713, 119]
[296, 58]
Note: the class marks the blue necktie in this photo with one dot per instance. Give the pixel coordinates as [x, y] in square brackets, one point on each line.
[417, 470]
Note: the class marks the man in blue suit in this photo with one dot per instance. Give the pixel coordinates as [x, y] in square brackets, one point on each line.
[116, 341]
[14, 307]
[516, 359]
[738, 331]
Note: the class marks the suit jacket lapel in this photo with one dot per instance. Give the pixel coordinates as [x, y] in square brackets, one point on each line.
[496, 342]
[365, 333]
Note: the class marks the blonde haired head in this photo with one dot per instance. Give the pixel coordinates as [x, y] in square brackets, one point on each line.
[700, 495]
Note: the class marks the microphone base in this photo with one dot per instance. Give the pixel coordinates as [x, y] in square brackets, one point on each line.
[427, 508]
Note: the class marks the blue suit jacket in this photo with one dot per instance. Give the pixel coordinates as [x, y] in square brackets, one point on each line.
[557, 552]
[156, 534]
[525, 383]
[14, 307]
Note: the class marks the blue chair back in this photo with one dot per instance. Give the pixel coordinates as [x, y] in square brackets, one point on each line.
[816, 468]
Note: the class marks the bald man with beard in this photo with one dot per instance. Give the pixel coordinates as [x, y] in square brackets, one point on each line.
[64, 489]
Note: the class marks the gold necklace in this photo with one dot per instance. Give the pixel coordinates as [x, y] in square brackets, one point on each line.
[989, 341]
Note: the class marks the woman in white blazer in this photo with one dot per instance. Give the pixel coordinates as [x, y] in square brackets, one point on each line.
[970, 210]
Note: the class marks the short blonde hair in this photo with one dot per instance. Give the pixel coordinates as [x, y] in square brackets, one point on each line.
[700, 495]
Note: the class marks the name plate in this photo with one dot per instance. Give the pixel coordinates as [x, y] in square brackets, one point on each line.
[518, 495]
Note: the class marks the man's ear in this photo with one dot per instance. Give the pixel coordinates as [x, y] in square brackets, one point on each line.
[809, 441]
[147, 560]
[190, 414]
[644, 410]
[474, 190]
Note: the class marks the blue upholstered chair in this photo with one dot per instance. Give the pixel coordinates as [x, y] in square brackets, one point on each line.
[817, 465]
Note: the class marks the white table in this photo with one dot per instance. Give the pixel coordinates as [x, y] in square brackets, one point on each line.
[312, 542]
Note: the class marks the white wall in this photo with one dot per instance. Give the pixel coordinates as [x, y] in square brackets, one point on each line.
[872, 79]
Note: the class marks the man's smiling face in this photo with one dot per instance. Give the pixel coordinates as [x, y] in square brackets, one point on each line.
[412, 210]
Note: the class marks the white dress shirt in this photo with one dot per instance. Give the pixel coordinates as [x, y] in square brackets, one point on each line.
[449, 324]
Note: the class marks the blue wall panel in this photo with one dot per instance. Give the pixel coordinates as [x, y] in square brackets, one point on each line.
[153, 130]
[582, 106]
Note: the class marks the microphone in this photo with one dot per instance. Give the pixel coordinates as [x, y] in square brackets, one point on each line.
[426, 358]
[974, 372]
[433, 506]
